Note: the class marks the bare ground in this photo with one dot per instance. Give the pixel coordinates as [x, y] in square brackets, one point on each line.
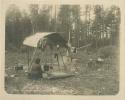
[103, 80]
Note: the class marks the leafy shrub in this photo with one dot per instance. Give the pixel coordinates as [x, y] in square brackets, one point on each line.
[108, 51]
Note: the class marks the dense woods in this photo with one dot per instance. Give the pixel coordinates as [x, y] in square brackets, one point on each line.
[94, 24]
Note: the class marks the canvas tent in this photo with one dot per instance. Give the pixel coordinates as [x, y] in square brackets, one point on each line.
[52, 38]
[42, 40]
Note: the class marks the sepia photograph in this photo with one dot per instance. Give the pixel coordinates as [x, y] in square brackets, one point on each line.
[62, 49]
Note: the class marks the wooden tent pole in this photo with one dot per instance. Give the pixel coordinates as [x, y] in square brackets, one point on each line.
[63, 60]
[58, 62]
[28, 56]
[32, 59]
[51, 58]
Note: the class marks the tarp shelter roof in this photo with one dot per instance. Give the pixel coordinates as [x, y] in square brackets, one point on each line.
[33, 40]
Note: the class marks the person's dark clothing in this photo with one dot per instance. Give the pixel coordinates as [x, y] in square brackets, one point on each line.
[36, 71]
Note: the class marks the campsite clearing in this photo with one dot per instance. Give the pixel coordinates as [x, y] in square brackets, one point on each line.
[101, 81]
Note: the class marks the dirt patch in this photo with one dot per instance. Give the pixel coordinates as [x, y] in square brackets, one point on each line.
[101, 81]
